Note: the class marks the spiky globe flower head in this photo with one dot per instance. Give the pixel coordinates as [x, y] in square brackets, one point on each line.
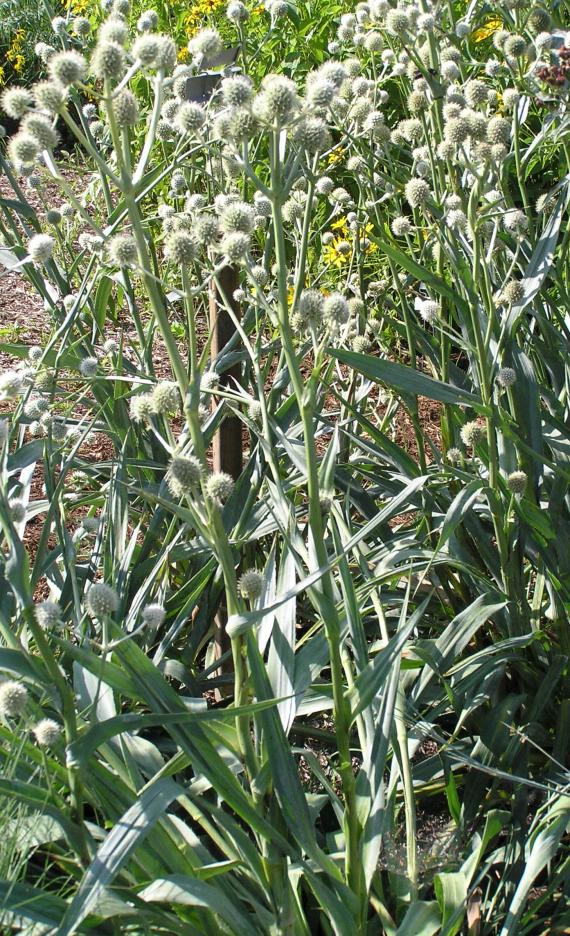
[122, 251]
[336, 311]
[40, 248]
[48, 614]
[320, 93]
[472, 433]
[42, 129]
[53, 216]
[166, 56]
[145, 49]
[113, 29]
[153, 616]
[361, 344]
[515, 46]
[205, 44]
[81, 26]
[259, 275]
[183, 475]
[512, 293]
[277, 9]
[126, 109]
[453, 455]
[545, 202]
[88, 367]
[35, 353]
[262, 205]
[23, 149]
[181, 247]
[333, 71]
[517, 482]
[17, 510]
[477, 124]
[190, 117]
[207, 229]
[237, 90]
[373, 41]
[194, 202]
[209, 381]
[47, 732]
[506, 377]
[35, 406]
[147, 21]
[235, 246]
[13, 698]
[250, 584]
[16, 102]
[59, 25]
[515, 221]
[237, 216]
[311, 306]
[101, 600]
[11, 384]
[294, 207]
[67, 68]
[50, 96]
[499, 130]
[450, 71]
[277, 102]
[165, 398]
[237, 11]
[457, 220]
[397, 22]
[312, 135]
[538, 20]
[457, 130]
[108, 61]
[417, 192]
[476, 92]
[219, 486]
[429, 311]
[324, 186]
[141, 407]
[110, 346]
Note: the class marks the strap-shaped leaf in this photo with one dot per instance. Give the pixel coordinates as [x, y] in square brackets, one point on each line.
[407, 380]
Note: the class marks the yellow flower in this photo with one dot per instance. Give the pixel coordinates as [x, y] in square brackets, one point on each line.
[2, 75]
[493, 24]
[183, 54]
[290, 294]
[332, 254]
[341, 225]
[336, 156]
[19, 63]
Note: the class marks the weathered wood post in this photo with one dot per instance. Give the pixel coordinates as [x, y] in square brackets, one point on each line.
[227, 450]
[226, 447]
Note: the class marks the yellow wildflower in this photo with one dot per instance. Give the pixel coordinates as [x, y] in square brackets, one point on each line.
[336, 156]
[340, 225]
[333, 255]
[492, 25]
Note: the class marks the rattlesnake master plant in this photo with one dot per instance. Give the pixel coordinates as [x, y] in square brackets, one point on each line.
[396, 219]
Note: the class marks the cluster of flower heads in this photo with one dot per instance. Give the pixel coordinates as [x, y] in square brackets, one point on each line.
[15, 701]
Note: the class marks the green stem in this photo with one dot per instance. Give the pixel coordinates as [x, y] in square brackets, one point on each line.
[305, 400]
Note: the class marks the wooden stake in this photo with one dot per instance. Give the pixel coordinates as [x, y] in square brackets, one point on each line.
[227, 447]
